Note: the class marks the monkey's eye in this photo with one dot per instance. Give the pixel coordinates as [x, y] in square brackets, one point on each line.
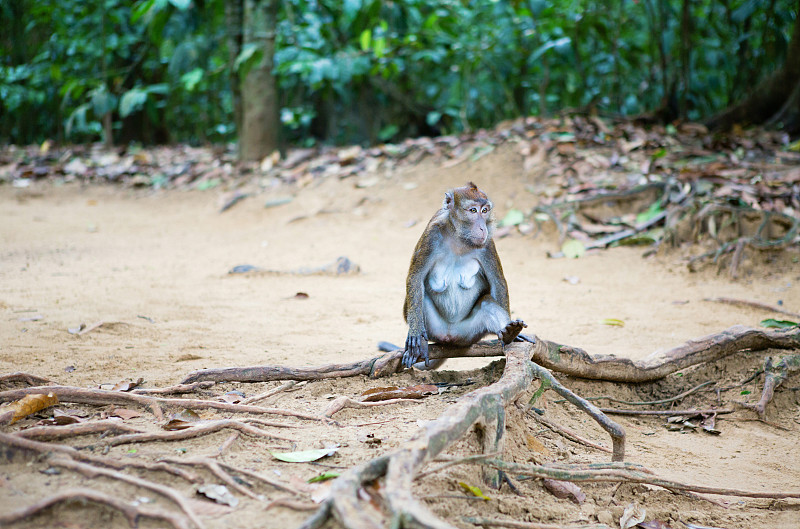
[473, 210]
[485, 210]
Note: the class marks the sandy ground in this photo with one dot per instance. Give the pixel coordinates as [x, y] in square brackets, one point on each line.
[153, 266]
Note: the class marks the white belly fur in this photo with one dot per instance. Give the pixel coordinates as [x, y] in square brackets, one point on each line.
[454, 285]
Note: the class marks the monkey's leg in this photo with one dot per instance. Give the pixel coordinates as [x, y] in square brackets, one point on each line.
[489, 317]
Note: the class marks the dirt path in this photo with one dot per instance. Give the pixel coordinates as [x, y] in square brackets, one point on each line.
[153, 266]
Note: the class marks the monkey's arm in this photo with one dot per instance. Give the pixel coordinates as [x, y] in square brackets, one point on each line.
[493, 270]
[421, 264]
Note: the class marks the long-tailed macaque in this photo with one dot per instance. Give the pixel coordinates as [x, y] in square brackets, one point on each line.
[456, 292]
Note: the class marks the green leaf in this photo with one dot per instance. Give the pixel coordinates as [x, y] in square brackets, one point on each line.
[183, 5]
[654, 210]
[659, 154]
[512, 218]
[303, 456]
[475, 491]
[205, 185]
[541, 50]
[745, 392]
[191, 79]
[614, 322]
[250, 55]
[379, 46]
[365, 39]
[132, 101]
[325, 476]
[573, 249]
[772, 323]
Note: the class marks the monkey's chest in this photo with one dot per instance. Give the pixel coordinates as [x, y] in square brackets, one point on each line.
[454, 286]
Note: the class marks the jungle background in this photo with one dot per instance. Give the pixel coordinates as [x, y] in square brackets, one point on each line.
[180, 179]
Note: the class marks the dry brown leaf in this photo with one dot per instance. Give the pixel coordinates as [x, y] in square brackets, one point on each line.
[127, 385]
[30, 404]
[393, 392]
[565, 490]
[125, 413]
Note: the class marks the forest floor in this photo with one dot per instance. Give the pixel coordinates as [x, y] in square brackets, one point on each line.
[153, 267]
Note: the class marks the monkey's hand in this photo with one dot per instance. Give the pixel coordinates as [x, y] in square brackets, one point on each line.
[511, 330]
[416, 349]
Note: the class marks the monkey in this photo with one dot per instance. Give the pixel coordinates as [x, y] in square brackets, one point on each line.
[456, 292]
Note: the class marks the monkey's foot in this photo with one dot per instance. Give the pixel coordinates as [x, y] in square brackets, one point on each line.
[416, 349]
[511, 330]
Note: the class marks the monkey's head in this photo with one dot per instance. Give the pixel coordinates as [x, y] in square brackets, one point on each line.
[469, 212]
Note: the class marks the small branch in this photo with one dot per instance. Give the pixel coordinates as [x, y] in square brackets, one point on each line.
[174, 390]
[47, 433]
[454, 462]
[31, 380]
[649, 402]
[199, 429]
[215, 468]
[514, 524]
[92, 472]
[261, 396]
[625, 472]
[666, 413]
[103, 397]
[569, 433]
[755, 305]
[774, 375]
[264, 479]
[341, 403]
[131, 512]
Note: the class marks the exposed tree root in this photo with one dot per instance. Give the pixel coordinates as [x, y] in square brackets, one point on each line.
[514, 524]
[197, 430]
[132, 512]
[620, 472]
[341, 403]
[483, 409]
[48, 433]
[104, 397]
[774, 376]
[175, 390]
[561, 358]
[31, 380]
[568, 433]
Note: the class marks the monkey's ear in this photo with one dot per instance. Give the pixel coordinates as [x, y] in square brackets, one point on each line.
[448, 200]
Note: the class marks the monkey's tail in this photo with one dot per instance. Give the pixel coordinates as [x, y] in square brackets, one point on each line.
[387, 347]
[525, 338]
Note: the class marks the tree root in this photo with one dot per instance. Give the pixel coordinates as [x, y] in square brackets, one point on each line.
[46, 433]
[561, 358]
[774, 376]
[31, 380]
[197, 430]
[514, 524]
[341, 403]
[483, 409]
[132, 512]
[568, 433]
[104, 397]
[620, 472]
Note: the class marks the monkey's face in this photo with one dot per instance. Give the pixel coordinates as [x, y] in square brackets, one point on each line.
[473, 221]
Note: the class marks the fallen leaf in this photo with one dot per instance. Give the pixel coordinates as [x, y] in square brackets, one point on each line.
[614, 322]
[565, 490]
[325, 476]
[127, 385]
[30, 404]
[59, 418]
[181, 420]
[301, 295]
[126, 414]
[654, 524]
[218, 493]
[303, 456]
[771, 323]
[573, 249]
[475, 491]
[232, 397]
[512, 218]
[633, 515]
[208, 508]
[393, 392]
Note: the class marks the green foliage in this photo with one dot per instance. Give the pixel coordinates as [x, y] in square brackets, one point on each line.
[366, 70]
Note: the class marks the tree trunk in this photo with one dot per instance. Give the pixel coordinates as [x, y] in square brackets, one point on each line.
[771, 95]
[234, 22]
[260, 119]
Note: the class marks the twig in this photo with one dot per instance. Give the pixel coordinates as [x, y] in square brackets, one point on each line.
[647, 402]
[755, 305]
[31, 380]
[614, 411]
[292, 504]
[569, 433]
[515, 524]
[227, 444]
[340, 403]
[625, 472]
[215, 468]
[103, 397]
[261, 396]
[45, 448]
[774, 375]
[454, 462]
[72, 430]
[132, 512]
[174, 390]
[91, 471]
[255, 475]
[197, 430]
